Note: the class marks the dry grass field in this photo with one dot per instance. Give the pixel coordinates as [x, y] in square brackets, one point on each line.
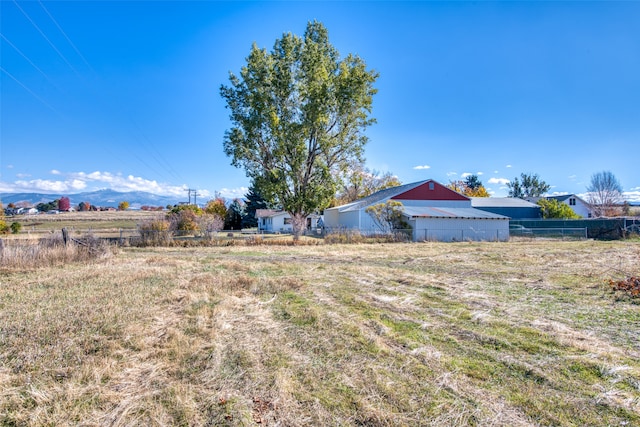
[488, 334]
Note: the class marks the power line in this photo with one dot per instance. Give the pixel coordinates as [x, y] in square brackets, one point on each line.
[53, 46]
[46, 76]
[144, 141]
[31, 92]
[67, 37]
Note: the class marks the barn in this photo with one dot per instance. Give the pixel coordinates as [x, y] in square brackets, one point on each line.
[434, 212]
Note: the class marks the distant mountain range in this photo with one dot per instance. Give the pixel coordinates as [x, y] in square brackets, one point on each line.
[100, 198]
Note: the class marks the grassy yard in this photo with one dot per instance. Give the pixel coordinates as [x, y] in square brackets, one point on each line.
[500, 334]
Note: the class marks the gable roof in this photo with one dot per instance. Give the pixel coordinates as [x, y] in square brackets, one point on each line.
[443, 212]
[266, 213]
[415, 191]
[564, 197]
[501, 202]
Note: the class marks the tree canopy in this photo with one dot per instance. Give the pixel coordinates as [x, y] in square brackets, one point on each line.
[605, 194]
[471, 186]
[552, 208]
[529, 185]
[360, 182]
[298, 115]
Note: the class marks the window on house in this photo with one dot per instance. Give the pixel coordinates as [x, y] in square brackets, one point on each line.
[287, 221]
[431, 186]
[572, 202]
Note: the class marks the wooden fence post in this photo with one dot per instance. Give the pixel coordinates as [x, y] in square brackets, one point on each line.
[65, 236]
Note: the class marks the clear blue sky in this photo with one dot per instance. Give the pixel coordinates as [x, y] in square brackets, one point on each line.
[125, 95]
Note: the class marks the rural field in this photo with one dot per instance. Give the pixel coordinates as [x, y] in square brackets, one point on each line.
[524, 333]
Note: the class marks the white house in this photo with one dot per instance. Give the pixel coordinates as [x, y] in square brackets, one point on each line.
[578, 205]
[278, 221]
[433, 211]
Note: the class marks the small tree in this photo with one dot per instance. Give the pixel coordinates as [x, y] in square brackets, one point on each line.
[529, 185]
[123, 206]
[605, 195]
[84, 206]
[552, 208]
[210, 224]
[3, 225]
[216, 207]
[254, 202]
[470, 187]
[233, 218]
[388, 216]
[64, 204]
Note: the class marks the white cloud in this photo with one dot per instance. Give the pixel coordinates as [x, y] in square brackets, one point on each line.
[42, 185]
[572, 177]
[632, 196]
[23, 175]
[466, 174]
[501, 181]
[508, 166]
[452, 173]
[55, 172]
[233, 193]
[75, 182]
[422, 167]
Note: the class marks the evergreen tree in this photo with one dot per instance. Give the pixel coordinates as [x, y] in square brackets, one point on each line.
[254, 201]
[233, 219]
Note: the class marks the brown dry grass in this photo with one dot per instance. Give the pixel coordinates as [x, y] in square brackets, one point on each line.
[503, 334]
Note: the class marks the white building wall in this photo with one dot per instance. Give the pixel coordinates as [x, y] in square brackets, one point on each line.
[580, 207]
[460, 229]
[331, 218]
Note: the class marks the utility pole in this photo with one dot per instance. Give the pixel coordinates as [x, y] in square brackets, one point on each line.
[189, 190]
[195, 194]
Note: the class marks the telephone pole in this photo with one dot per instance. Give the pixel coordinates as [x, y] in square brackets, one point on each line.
[189, 190]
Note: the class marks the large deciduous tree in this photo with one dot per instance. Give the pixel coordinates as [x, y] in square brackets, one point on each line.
[604, 194]
[529, 185]
[298, 115]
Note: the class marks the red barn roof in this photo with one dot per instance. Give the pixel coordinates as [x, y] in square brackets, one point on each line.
[430, 190]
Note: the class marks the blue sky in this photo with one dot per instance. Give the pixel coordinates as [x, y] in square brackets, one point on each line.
[125, 95]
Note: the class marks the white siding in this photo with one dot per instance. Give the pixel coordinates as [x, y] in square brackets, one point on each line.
[460, 229]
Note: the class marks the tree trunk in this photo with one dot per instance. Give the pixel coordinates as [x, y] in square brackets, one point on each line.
[298, 223]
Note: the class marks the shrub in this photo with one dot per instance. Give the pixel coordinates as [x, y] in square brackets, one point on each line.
[15, 227]
[155, 233]
[629, 286]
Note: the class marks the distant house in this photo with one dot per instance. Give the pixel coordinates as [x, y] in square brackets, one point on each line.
[433, 211]
[278, 221]
[512, 207]
[578, 205]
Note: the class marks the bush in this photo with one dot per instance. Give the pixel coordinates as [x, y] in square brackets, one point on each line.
[629, 286]
[155, 233]
[15, 227]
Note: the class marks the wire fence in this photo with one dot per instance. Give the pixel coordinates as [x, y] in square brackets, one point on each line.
[579, 233]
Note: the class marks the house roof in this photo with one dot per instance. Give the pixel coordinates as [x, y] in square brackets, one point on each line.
[501, 202]
[560, 198]
[266, 213]
[442, 212]
[564, 197]
[414, 191]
